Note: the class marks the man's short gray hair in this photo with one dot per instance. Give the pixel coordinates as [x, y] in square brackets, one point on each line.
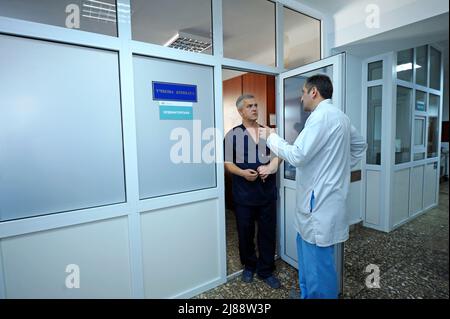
[240, 100]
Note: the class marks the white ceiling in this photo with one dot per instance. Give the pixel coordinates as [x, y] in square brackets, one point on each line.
[329, 7]
[434, 30]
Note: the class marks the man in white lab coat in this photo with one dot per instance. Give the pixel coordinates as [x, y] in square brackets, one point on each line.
[323, 154]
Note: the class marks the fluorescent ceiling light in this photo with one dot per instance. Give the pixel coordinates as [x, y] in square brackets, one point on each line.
[189, 42]
[406, 67]
[99, 10]
[98, 18]
[102, 3]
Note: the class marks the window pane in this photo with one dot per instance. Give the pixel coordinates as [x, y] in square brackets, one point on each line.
[58, 153]
[435, 102]
[158, 119]
[374, 109]
[404, 65]
[301, 39]
[294, 115]
[249, 31]
[375, 71]
[421, 101]
[433, 134]
[180, 24]
[435, 69]
[419, 130]
[421, 66]
[86, 15]
[403, 125]
[419, 156]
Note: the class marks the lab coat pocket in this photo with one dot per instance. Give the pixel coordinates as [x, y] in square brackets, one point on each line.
[312, 202]
[306, 203]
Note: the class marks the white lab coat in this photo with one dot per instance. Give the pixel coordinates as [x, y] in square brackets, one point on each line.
[323, 154]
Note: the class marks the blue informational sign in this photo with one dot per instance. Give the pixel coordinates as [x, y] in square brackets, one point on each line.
[163, 91]
[167, 112]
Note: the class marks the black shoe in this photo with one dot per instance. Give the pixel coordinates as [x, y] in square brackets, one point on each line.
[247, 276]
[273, 282]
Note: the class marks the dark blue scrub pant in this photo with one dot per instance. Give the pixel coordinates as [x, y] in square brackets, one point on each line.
[265, 217]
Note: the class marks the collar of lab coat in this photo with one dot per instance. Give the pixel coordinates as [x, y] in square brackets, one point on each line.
[321, 104]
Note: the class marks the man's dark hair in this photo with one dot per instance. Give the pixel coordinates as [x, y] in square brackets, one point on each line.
[322, 83]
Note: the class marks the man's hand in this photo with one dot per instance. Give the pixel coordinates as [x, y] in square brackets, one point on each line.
[265, 131]
[265, 170]
[250, 175]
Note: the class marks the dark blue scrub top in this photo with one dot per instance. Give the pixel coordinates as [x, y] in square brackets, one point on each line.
[241, 149]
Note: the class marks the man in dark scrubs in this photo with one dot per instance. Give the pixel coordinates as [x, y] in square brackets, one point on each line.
[253, 169]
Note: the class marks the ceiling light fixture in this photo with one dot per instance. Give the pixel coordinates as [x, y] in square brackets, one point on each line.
[99, 10]
[406, 67]
[189, 42]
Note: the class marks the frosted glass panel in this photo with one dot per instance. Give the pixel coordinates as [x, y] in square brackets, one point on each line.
[174, 148]
[419, 132]
[86, 15]
[60, 128]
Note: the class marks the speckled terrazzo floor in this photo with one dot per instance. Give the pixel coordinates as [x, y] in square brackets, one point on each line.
[233, 261]
[413, 262]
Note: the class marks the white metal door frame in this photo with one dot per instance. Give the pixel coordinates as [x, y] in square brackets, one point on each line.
[338, 64]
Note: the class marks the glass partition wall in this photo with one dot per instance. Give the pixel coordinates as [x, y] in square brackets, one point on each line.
[403, 101]
[418, 85]
[100, 187]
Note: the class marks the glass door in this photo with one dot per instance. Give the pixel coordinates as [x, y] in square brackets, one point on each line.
[291, 122]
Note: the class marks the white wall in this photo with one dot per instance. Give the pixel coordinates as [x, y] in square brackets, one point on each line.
[350, 22]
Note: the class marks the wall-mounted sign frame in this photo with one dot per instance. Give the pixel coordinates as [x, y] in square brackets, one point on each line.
[164, 91]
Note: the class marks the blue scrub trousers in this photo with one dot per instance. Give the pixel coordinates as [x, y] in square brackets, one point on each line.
[316, 271]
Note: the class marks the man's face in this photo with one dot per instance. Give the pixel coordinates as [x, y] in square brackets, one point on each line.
[249, 111]
[308, 97]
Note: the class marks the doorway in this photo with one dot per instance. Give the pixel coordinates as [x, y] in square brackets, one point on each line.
[291, 121]
[236, 83]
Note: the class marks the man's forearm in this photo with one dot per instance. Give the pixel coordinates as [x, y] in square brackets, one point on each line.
[233, 169]
[274, 164]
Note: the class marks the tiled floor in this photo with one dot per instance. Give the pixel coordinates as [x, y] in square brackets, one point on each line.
[413, 262]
